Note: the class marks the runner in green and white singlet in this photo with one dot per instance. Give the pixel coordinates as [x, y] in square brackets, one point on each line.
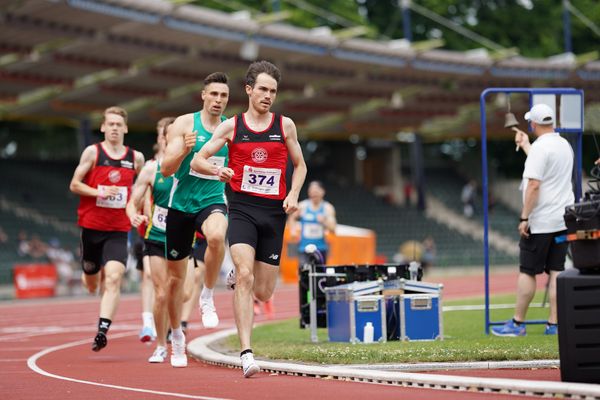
[193, 191]
[152, 184]
[197, 204]
[162, 188]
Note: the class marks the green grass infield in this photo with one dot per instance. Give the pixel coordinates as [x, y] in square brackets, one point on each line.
[464, 340]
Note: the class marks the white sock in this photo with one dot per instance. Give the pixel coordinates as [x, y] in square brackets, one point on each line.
[177, 334]
[206, 293]
[148, 320]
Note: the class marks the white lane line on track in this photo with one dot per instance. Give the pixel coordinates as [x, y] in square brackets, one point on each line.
[21, 333]
[479, 307]
[26, 348]
[32, 364]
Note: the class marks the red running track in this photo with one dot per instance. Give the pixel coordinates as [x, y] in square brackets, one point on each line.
[55, 336]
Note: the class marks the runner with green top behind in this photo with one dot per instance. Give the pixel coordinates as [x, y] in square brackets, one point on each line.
[149, 206]
[197, 203]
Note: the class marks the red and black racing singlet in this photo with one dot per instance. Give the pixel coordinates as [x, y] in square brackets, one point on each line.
[108, 214]
[259, 159]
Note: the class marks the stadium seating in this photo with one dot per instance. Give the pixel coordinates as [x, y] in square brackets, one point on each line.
[395, 225]
[35, 199]
[447, 186]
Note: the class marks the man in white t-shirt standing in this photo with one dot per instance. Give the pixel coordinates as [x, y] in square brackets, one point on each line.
[547, 190]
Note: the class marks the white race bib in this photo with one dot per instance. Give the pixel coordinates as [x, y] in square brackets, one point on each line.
[117, 201]
[261, 180]
[214, 160]
[311, 230]
[159, 218]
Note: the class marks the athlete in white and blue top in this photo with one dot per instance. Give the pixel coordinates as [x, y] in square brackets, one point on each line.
[316, 217]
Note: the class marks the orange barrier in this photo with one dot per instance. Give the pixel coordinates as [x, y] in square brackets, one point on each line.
[349, 245]
[34, 280]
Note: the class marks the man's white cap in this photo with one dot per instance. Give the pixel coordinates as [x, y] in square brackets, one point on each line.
[540, 114]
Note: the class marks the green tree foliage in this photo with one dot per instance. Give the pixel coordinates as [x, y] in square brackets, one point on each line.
[304, 13]
[533, 26]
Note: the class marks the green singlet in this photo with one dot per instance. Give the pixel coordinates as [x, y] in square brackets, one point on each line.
[161, 191]
[192, 192]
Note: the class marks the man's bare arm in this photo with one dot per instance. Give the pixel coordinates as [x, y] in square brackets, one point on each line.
[330, 221]
[290, 204]
[177, 149]
[135, 205]
[532, 194]
[86, 163]
[138, 162]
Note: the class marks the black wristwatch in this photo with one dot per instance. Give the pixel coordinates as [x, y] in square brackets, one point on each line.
[523, 219]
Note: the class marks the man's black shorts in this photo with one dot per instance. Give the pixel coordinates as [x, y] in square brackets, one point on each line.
[181, 227]
[258, 222]
[540, 253]
[138, 253]
[153, 248]
[100, 247]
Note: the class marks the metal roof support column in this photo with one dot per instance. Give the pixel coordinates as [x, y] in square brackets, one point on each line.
[405, 5]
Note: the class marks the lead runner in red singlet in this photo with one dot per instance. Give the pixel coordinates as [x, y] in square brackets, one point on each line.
[103, 179]
[259, 143]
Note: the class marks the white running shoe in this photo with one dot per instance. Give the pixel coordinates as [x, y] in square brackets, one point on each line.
[210, 319]
[178, 356]
[230, 281]
[159, 355]
[249, 366]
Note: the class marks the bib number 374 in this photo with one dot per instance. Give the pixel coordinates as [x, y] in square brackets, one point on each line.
[261, 180]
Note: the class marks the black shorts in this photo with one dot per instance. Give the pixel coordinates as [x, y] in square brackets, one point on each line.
[181, 227]
[258, 222]
[153, 248]
[540, 253]
[138, 253]
[100, 247]
[199, 250]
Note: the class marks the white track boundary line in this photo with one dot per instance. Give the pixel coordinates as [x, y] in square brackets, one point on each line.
[479, 307]
[32, 364]
[199, 348]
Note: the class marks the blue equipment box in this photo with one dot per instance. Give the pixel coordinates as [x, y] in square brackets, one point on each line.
[347, 315]
[415, 317]
[403, 286]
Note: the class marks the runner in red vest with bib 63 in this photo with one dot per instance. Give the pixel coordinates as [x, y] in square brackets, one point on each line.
[103, 179]
[259, 143]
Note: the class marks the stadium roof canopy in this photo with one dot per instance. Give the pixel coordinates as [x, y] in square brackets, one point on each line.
[66, 60]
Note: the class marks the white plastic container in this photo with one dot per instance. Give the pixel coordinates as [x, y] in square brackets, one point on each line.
[368, 333]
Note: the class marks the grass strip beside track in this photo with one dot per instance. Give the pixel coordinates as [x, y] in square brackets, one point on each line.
[464, 341]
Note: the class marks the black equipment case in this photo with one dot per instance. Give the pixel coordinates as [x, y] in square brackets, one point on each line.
[578, 299]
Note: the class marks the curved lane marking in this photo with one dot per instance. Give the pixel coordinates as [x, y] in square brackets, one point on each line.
[32, 364]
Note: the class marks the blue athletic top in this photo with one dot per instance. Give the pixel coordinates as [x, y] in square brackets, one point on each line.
[312, 231]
